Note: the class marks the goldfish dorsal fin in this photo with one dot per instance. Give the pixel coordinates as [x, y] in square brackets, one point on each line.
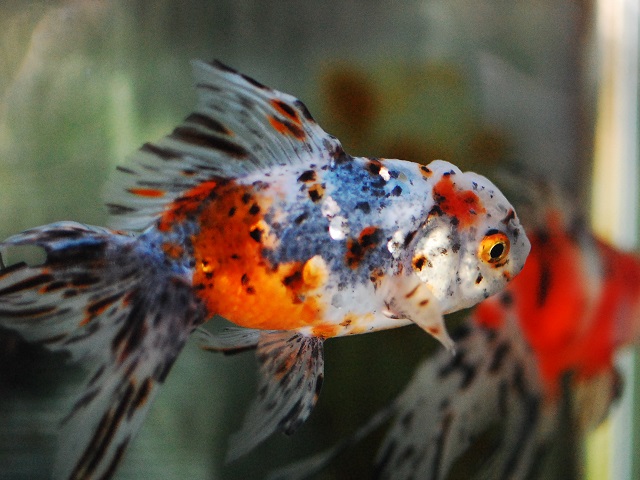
[239, 126]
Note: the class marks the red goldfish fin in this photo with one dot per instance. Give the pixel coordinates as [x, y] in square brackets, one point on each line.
[92, 298]
[238, 126]
[291, 373]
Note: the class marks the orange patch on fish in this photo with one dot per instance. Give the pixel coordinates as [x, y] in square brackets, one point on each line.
[425, 171]
[172, 250]
[465, 205]
[147, 192]
[233, 278]
[285, 109]
[188, 203]
[368, 239]
[326, 330]
[285, 127]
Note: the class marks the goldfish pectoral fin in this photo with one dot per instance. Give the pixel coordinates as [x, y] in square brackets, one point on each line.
[291, 372]
[452, 402]
[408, 297]
[433, 324]
[229, 340]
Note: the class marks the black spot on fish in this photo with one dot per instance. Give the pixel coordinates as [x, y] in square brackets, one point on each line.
[374, 167]
[305, 111]
[256, 234]
[27, 284]
[364, 206]
[166, 154]
[498, 357]
[307, 176]
[316, 193]
[255, 83]
[255, 209]
[199, 139]
[544, 284]
[207, 122]
[301, 218]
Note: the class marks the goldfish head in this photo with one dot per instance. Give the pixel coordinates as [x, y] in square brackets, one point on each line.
[472, 243]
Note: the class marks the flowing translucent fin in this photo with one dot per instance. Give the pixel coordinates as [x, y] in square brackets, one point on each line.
[291, 373]
[238, 126]
[452, 401]
[448, 405]
[311, 466]
[229, 340]
[93, 297]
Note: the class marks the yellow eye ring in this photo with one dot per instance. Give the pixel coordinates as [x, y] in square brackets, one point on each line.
[494, 247]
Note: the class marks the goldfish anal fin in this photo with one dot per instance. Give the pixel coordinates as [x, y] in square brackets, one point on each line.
[291, 373]
[238, 126]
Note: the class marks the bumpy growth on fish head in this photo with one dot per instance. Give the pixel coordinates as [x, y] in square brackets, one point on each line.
[472, 243]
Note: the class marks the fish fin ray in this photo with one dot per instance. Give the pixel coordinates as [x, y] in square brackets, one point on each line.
[452, 400]
[291, 374]
[238, 126]
[229, 340]
[130, 328]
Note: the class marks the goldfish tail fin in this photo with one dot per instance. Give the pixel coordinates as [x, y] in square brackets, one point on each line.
[291, 374]
[92, 298]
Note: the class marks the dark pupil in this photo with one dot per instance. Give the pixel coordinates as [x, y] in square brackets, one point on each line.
[497, 250]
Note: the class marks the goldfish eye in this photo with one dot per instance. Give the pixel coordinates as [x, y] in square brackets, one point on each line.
[494, 247]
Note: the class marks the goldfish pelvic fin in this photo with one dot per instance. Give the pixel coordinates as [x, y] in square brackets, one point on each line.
[238, 126]
[291, 374]
[230, 340]
[92, 298]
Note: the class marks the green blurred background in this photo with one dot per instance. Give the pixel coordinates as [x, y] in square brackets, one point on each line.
[83, 83]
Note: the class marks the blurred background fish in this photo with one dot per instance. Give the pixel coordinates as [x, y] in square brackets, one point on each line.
[550, 83]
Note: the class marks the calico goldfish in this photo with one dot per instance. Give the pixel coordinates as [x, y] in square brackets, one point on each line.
[541, 350]
[250, 211]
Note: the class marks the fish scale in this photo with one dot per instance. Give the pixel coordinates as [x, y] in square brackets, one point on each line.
[250, 211]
